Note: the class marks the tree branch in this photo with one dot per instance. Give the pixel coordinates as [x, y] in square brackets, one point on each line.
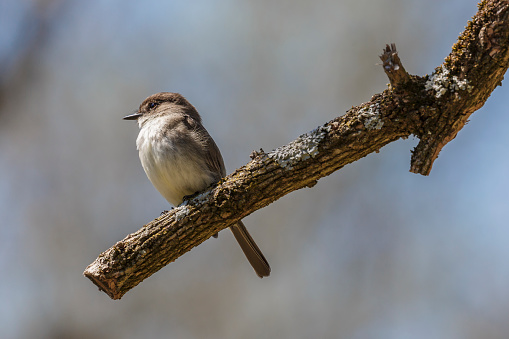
[433, 108]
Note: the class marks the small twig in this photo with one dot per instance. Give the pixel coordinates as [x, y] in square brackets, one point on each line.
[393, 67]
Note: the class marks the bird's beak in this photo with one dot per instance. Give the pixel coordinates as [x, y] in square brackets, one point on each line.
[133, 116]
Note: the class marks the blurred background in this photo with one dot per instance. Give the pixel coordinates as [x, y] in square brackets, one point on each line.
[371, 251]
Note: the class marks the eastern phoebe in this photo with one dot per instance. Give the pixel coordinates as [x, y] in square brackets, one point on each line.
[180, 158]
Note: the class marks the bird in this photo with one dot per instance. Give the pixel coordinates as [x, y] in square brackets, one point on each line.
[180, 158]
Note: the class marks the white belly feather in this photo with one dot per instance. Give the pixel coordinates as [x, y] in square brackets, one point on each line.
[173, 173]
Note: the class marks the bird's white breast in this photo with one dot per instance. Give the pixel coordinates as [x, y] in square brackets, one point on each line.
[173, 171]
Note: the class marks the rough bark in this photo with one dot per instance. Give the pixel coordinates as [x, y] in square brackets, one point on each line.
[433, 108]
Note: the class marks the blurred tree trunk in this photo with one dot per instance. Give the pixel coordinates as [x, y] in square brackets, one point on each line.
[31, 37]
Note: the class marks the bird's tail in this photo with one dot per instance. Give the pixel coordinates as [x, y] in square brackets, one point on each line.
[251, 250]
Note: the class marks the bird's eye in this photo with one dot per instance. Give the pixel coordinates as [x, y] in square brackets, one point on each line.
[152, 105]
